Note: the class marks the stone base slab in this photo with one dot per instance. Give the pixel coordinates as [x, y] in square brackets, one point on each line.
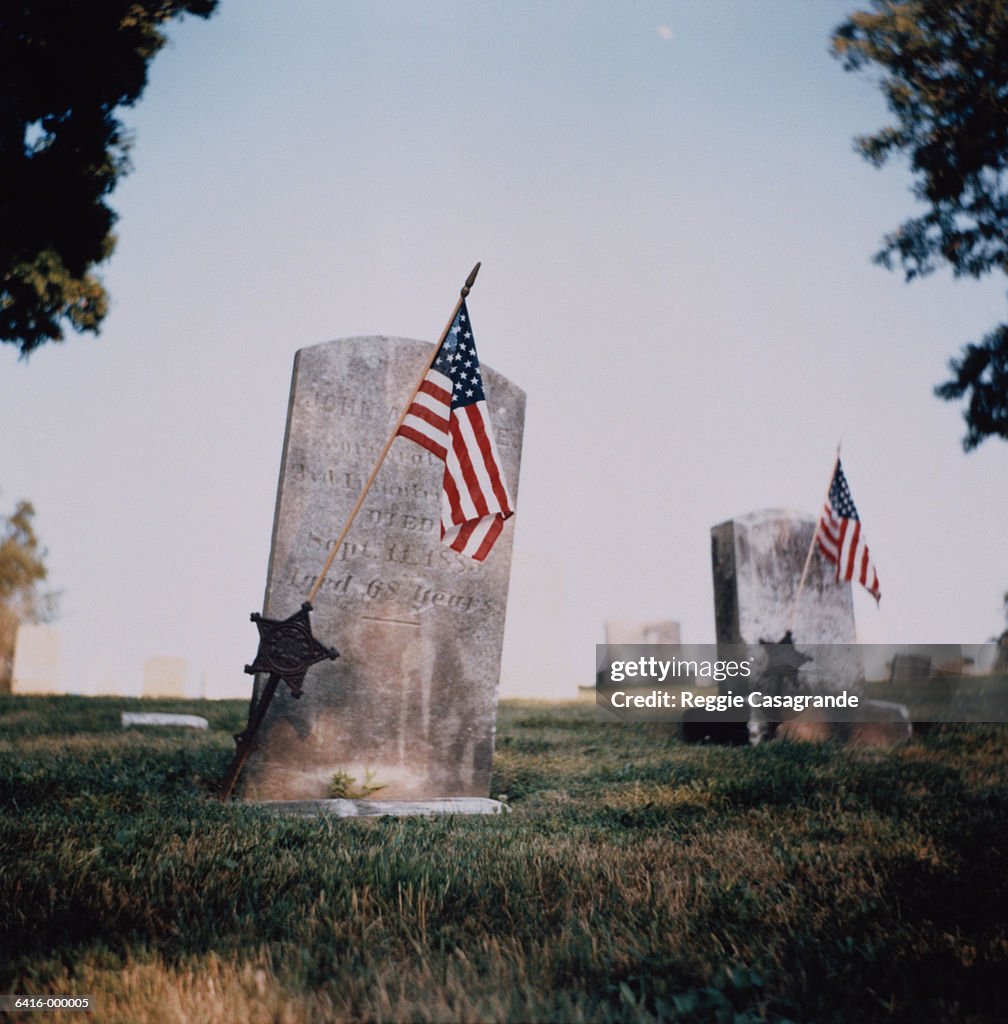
[379, 808]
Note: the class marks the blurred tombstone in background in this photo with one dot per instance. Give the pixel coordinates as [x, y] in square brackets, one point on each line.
[37, 660]
[757, 562]
[658, 631]
[165, 677]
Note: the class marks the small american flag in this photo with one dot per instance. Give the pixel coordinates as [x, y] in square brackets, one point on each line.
[449, 418]
[840, 538]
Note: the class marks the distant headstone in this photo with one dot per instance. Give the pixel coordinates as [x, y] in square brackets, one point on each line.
[107, 682]
[165, 677]
[658, 631]
[626, 639]
[407, 712]
[757, 563]
[36, 660]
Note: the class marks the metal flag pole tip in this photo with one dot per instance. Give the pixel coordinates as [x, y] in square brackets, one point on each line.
[470, 280]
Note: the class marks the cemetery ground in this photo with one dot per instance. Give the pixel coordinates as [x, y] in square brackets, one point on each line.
[636, 878]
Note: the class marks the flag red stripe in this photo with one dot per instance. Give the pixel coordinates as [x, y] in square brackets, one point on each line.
[421, 412]
[465, 531]
[840, 541]
[476, 416]
[852, 551]
[468, 473]
[428, 387]
[488, 541]
[455, 514]
[423, 440]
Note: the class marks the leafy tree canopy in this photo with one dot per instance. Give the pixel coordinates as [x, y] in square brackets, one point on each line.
[943, 68]
[64, 70]
[22, 571]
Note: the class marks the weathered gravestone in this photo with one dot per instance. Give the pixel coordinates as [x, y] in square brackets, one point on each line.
[410, 704]
[757, 563]
[36, 666]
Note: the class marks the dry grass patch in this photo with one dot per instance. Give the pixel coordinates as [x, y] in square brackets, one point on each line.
[636, 879]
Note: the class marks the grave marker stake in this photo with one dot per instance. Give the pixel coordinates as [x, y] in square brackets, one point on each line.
[287, 650]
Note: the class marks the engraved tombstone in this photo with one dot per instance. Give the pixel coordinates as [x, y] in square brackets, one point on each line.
[410, 704]
[757, 563]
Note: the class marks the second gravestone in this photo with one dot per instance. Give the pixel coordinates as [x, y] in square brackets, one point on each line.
[407, 712]
[757, 563]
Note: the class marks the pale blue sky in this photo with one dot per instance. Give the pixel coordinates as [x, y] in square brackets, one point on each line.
[676, 238]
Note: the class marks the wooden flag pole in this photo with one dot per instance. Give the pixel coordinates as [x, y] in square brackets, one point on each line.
[815, 534]
[466, 288]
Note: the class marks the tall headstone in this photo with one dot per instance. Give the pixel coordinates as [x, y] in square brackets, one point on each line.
[410, 704]
[36, 660]
[165, 677]
[757, 563]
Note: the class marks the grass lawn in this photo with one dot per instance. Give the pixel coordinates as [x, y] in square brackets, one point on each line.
[635, 879]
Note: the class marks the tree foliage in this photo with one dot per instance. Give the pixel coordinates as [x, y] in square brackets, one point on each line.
[22, 571]
[943, 68]
[65, 68]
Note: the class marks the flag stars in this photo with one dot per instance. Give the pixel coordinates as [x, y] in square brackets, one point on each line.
[458, 361]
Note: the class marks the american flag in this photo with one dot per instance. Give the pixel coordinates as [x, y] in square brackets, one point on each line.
[449, 418]
[840, 538]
